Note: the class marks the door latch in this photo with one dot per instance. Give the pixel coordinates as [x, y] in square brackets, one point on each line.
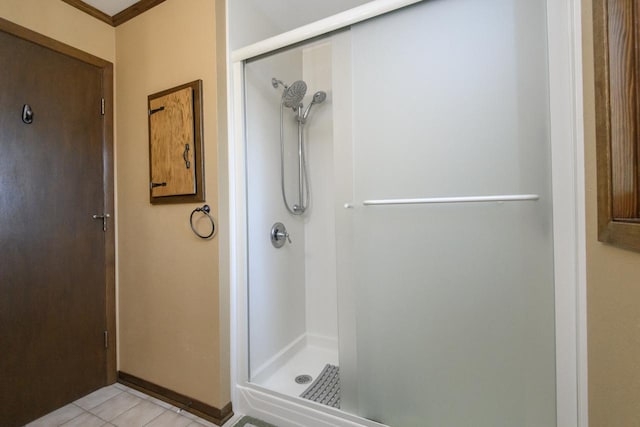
[104, 218]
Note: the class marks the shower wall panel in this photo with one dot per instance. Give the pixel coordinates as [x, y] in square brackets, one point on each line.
[320, 244]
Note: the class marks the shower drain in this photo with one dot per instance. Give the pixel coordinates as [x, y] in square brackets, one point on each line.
[303, 379]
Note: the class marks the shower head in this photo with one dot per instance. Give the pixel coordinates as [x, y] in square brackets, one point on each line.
[318, 97]
[293, 94]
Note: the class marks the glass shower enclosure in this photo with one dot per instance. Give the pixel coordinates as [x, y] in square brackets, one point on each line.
[416, 287]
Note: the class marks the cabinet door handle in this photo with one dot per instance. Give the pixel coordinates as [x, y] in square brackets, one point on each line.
[158, 184]
[185, 156]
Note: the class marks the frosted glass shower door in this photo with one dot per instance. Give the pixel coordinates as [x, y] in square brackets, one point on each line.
[453, 302]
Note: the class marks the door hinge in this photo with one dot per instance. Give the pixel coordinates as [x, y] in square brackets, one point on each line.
[106, 339]
[156, 110]
[102, 106]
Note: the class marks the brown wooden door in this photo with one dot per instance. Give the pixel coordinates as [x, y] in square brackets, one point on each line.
[52, 253]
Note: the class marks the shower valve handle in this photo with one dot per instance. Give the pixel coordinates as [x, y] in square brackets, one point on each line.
[282, 235]
[278, 235]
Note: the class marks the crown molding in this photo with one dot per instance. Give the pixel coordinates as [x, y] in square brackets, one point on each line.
[120, 17]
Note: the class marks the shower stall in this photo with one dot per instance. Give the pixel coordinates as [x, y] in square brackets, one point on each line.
[396, 200]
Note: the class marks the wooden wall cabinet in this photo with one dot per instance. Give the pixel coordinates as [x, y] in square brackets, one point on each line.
[176, 161]
[617, 75]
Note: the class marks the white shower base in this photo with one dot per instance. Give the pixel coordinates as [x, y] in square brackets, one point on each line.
[309, 359]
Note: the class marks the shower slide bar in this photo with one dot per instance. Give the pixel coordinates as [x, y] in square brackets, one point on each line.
[466, 199]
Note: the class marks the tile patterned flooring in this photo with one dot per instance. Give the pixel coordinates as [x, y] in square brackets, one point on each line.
[119, 406]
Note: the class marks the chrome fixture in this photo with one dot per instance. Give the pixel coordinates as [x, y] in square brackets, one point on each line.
[464, 199]
[292, 97]
[279, 235]
[318, 97]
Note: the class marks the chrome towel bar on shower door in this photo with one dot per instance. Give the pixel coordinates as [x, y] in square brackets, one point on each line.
[464, 199]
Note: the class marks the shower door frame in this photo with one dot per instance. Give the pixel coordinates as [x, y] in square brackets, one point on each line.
[567, 158]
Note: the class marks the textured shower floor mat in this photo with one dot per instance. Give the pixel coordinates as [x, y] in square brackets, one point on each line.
[326, 388]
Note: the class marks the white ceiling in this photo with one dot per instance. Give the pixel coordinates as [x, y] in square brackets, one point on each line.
[110, 7]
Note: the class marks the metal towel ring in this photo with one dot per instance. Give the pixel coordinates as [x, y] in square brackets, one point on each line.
[205, 210]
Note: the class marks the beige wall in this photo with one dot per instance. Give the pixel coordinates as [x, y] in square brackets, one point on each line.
[613, 293]
[171, 331]
[64, 23]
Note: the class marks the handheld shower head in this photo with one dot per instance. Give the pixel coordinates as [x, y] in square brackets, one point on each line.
[293, 94]
[318, 97]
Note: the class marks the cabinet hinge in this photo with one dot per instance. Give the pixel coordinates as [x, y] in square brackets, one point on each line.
[106, 339]
[102, 106]
[156, 110]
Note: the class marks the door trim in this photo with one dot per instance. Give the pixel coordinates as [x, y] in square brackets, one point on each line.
[564, 26]
[106, 68]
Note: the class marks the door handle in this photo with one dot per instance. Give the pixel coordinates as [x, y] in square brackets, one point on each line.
[104, 217]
